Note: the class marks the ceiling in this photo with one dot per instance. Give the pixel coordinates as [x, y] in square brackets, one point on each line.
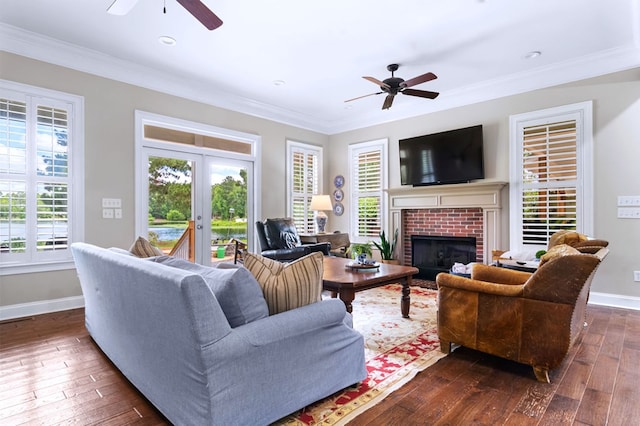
[296, 62]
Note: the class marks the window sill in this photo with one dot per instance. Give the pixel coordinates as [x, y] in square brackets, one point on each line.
[33, 268]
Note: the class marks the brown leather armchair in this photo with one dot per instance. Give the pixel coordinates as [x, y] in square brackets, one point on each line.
[531, 318]
[279, 240]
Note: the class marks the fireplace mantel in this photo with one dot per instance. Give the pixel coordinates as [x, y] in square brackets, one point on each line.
[484, 195]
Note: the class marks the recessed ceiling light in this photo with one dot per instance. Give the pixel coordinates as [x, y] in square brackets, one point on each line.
[278, 82]
[533, 54]
[167, 41]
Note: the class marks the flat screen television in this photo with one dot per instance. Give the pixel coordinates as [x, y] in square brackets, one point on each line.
[453, 156]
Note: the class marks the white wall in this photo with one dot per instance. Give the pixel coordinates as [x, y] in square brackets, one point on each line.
[109, 113]
[617, 158]
[109, 158]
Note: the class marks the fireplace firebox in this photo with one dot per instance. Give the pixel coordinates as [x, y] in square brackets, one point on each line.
[435, 254]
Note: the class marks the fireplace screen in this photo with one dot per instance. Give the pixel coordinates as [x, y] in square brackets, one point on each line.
[435, 254]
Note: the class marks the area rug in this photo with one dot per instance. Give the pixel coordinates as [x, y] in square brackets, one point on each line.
[396, 349]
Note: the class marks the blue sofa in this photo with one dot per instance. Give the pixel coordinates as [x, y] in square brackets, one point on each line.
[199, 344]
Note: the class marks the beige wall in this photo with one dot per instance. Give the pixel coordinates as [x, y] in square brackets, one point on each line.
[109, 124]
[616, 102]
[109, 146]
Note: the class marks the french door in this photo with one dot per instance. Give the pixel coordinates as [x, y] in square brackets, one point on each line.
[209, 192]
[195, 176]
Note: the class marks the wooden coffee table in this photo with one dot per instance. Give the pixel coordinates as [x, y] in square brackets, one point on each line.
[345, 282]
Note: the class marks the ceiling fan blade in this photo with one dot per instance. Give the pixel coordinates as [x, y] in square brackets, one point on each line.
[378, 82]
[360, 97]
[420, 93]
[387, 102]
[202, 13]
[420, 79]
[121, 7]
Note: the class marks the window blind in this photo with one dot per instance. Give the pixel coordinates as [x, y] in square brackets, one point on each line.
[368, 185]
[304, 184]
[549, 180]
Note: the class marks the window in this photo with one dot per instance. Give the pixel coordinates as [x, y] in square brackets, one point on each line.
[41, 212]
[304, 165]
[368, 171]
[551, 174]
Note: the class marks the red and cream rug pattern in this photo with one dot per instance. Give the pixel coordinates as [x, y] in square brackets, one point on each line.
[396, 349]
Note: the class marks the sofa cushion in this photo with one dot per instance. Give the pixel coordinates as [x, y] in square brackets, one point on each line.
[235, 288]
[143, 248]
[288, 285]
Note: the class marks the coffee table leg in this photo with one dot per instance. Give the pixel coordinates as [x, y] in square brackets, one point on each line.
[405, 302]
[347, 297]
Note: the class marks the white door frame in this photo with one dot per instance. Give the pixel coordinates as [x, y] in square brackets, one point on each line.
[208, 155]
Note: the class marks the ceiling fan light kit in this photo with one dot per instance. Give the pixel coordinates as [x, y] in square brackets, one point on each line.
[394, 85]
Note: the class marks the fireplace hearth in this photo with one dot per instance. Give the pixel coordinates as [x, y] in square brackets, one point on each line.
[435, 254]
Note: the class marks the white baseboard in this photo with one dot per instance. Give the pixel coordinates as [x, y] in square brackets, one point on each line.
[614, 300]
[56, 305]
[41, 307]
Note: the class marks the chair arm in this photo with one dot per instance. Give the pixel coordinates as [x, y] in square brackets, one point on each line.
[323, 247]
[285, 254]
[451, 281]
[495, 274]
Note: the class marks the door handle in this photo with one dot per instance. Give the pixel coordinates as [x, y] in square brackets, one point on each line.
[198, 226]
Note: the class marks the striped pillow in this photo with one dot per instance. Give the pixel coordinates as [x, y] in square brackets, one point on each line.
[143, 248]
[287, 285]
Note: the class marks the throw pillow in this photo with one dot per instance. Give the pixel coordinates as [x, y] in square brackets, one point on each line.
[287, 285]
[566, 237]
[237, 291]
[558, 251]
[143, 248]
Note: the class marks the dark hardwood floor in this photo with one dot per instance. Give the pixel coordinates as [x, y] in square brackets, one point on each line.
[52, 373]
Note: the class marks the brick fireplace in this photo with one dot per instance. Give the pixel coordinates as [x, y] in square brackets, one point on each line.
[464, 210]
[445, 222]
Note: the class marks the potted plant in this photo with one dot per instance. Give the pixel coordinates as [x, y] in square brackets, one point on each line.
[387, 248]
[359, 251]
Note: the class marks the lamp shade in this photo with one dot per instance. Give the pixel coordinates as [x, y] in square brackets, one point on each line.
[321, 202]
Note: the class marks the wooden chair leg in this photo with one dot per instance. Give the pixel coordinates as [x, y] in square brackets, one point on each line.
[445, 346]
[542, 374]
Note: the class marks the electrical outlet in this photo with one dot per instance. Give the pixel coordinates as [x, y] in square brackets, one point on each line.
[118, 213]
[107, 213]
[636, 276]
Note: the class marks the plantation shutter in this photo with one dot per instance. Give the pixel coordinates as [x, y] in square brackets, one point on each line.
[549, 180]
[35, 181]
[304, 184]
[368, 184]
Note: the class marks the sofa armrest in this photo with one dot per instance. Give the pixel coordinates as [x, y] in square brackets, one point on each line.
[495, 274]
[455, 282]
[289, 324]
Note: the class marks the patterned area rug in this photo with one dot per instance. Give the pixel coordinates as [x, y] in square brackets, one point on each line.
[396, 349]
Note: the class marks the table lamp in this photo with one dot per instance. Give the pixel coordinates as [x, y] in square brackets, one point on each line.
[320, 203]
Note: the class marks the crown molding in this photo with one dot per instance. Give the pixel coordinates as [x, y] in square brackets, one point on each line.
[57, 52]
[39, 47]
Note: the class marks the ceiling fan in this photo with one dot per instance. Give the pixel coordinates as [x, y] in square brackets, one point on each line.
[194, 7]
[394, 85]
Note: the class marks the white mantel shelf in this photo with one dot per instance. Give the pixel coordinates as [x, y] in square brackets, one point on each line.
[484, 195]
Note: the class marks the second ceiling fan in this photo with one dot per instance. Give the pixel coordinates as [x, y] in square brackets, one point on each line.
[195, 7]
[394, 85]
